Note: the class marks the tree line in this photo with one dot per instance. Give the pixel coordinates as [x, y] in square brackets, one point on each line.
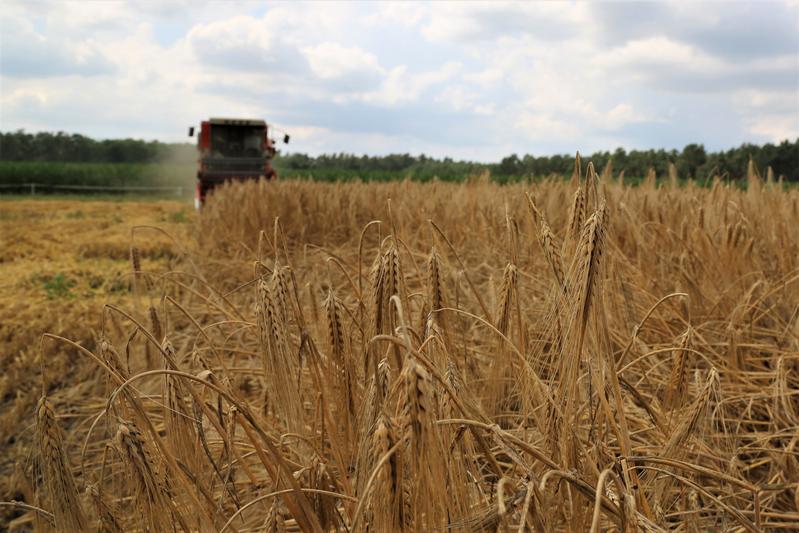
[693, 161]
[76, 148]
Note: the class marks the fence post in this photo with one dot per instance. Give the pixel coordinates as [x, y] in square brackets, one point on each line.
[33, 189]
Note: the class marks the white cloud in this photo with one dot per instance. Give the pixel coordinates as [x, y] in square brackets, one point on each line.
[406, 14]
[25, 52]
[97, 18]
[756, 99]
[538, 77]
[775, 128]
[332, 60]
[485, 78]
[536, 126]
[621, 115]
[462, 99]
[30, 97]
[658, 52]
[457, 97]
[768, 115]
[403, 86]
[240, 43]
[486, 21]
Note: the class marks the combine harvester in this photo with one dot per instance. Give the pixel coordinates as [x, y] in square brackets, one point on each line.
[232, 149]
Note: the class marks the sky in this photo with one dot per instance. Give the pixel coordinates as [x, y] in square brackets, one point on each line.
[468, 80]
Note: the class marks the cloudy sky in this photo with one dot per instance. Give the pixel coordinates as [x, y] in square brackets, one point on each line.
[468, 80]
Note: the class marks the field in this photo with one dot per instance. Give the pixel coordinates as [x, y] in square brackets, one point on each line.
[568, 355]
[60, 262]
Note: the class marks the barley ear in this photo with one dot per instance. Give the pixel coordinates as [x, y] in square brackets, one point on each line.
[62, 490]
[678, 380]
[135, 260]
[109, 523]
[577, 172]
[155, 322]
[576, 217]
[551, 251]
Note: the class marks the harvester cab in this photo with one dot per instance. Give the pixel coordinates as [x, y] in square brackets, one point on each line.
[232, 149]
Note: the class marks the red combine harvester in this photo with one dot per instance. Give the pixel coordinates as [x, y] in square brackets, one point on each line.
[232, 149]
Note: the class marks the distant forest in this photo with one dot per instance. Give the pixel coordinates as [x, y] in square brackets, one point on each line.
[693, 161]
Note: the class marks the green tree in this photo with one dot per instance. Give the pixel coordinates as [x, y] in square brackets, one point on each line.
[692, 158]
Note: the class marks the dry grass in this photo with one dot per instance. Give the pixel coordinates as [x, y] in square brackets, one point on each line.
[516, 358]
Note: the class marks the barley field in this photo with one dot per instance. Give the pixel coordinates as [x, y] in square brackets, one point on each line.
[567, 355]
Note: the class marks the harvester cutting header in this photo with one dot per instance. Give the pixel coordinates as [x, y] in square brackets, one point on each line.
[232, 149]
